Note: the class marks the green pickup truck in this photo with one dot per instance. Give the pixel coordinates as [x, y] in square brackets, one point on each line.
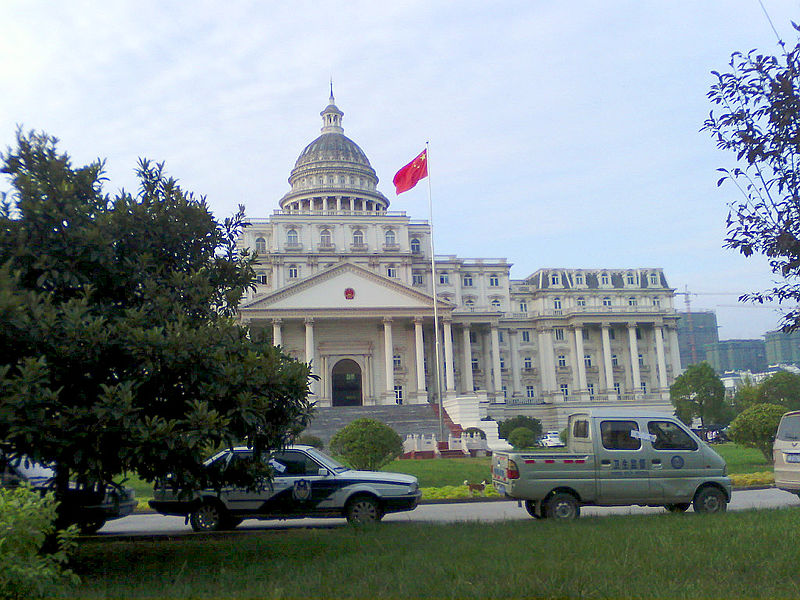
[616, 457]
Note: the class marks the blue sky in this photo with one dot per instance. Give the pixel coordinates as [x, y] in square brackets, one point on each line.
[562, 134]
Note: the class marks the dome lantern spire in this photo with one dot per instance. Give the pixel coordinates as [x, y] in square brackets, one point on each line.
[332, 116]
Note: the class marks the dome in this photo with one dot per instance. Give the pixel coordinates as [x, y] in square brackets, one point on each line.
[333, 171]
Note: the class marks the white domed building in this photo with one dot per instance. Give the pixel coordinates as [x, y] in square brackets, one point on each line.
[346, 283]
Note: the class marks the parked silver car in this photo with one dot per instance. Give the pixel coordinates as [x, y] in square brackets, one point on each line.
[305, 483]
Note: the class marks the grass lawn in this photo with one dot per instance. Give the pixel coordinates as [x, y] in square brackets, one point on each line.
[742, 460]
[734, 555]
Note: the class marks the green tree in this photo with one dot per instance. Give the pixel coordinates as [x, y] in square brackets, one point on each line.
[781, 388]
[746, 395]
[698, 392]
[504, 428]
[522, 437]
[119, 351]
[758, 119]
[367, 444]
[756, 427]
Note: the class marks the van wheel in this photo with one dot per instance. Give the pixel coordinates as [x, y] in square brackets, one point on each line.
[562, 506]
[530, 506]
[677, 508]
[710, 500]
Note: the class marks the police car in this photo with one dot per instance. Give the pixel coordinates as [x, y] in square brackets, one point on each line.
[305, 483]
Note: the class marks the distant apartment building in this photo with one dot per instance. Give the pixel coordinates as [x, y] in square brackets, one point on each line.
[782, 348]
[737, 355]
[695, 331]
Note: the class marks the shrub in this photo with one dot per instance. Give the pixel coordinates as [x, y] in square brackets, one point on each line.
[522, 437]
[310, 440]
[27, 523]
[367, 444]
[475, 431]
[755, 427]
[504, 428]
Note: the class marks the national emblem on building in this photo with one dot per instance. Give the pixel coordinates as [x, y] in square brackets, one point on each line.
[345, 283]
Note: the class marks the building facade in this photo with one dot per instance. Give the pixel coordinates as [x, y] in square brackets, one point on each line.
[737, 355]
[347, 284]
[696, 329]
[782, 348]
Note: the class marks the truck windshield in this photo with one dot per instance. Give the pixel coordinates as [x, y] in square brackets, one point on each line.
[789, 429]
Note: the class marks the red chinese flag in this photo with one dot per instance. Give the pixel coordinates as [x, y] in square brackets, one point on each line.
[407, 177]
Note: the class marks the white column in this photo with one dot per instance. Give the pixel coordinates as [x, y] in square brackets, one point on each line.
[547, 360]
[469, 384]
[609, 369]
[487, 362]
[419, 355]
[277, 333]
[634, 348]
[579, 353]
[674, 351]
[388, 350]
[449, 373]
[516, 379]
[338, 203]
[310, 351]
[662, 365]
[498, 374]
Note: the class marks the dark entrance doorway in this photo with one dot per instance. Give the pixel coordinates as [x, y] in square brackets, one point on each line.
[346, 380]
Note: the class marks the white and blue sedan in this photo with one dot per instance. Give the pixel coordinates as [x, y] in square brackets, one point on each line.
[305, 483]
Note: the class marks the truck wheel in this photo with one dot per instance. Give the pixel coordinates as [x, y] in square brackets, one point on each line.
[209, 516]
[362, 510]
[562, 506]
[530, 506]
[677, 508]
[710, 500]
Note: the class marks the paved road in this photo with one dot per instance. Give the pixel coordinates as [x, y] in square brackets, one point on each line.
[159, 525]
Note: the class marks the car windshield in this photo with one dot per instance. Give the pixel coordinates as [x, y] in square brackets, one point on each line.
[326, 461]
[789, 429]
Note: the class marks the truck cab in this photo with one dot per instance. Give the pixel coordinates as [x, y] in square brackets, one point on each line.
[617, 457]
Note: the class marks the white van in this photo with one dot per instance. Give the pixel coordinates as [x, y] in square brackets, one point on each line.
[786, 453]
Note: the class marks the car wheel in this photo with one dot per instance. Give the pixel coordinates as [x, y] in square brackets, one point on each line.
[710, 500]
[363, 509]
[677, 508]
[530, 506]
[209, 516]
[91, 527]
[562, 506]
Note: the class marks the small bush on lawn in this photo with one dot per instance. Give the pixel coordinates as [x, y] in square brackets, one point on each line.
[522, 437]
[504, 428]
[367, 444]
[311, 440]
[27, 520]
[756, 426]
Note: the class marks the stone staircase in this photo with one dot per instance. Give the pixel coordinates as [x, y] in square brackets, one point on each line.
[404, 419]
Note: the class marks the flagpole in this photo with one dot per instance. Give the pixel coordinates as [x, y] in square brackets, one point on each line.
[437, 349]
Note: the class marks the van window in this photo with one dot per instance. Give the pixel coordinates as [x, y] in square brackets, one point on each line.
[580, 429]
[616, 435]
[789, 429]
[670, 436]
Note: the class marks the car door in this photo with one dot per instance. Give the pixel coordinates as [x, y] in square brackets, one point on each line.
[300, 484]
[622, 475]
[677, 463]
[238, 499]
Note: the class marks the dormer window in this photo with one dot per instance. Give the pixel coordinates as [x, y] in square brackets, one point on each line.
[604, 280]
[578, 278]
[291, 237]
[555, 279]
[416, 247]
[653, 279]
[261, 245]
[631, 279]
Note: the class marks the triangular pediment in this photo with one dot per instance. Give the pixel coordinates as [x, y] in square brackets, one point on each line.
[345, 286]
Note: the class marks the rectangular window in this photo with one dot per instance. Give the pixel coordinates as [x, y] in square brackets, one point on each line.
[398, 394]
[502, 362]
[294, 272]
[565, 389]
[555, 280]
[504, 391]
[391, 272]
[473, 337]
[632, 301]
[617, 388]
[579, 278]
[527, 363]
[262, 278]
[653, 279]
[611, 334]
[656, 301]
[396, 361]
[494, 281]
[606, 301]
[523, 306]
[617, 435]
[590, 387]
[644, 387]
[581, 301]
[417, 279]
[500, 336]
[529, 391]
[669, 436]
[604, 279]
[444, 278]
[587, 360]
[558, 333]
[475, 365]
[614, 360]
[467, 281]
[562, 360]
[631, 279]
[641, 360]
[526, 335]
[580, 429]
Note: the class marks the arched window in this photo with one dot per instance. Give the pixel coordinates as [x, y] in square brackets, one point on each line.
[557, 303]
[632, 301]
[358, 238]
[325, 238]
[606, 301]
[416, 247]
[261, 245]
[389, 237]
[294, 272]
[496, 303]
[291, 237]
